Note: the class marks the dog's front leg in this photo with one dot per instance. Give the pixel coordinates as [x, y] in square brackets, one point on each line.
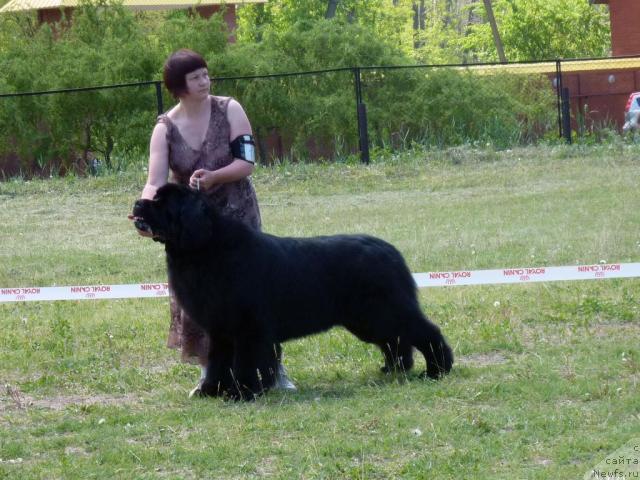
[254, 368]
[219, 378]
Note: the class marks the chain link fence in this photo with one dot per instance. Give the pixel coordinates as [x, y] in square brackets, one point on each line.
[329, 114]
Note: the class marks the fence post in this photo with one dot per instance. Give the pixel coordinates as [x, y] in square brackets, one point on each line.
[559, 94]
[361, 111]
[566, 115]
[159, 97]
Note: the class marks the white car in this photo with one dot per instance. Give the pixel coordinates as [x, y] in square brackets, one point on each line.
[632, 113]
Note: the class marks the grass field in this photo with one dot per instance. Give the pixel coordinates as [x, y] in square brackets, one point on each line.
[545, 383]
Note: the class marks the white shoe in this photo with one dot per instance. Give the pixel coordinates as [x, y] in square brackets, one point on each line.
[196, 391]
[282, 380]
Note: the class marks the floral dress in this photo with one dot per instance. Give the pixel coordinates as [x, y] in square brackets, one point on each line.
[236, 199]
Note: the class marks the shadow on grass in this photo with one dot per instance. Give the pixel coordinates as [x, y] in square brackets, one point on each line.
[359, 386]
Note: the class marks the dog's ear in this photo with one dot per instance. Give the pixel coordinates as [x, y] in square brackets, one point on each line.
[196, 222]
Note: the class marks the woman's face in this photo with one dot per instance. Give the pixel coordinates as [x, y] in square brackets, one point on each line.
[198, 83]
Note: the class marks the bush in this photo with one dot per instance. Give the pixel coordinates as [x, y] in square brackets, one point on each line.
[105, 45]
[307, 116]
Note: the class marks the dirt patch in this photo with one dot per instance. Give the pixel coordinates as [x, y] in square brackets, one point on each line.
[482, 359]
[267, 466]
[544, 462]
[602, 330]
[563, 334]
[13, 399]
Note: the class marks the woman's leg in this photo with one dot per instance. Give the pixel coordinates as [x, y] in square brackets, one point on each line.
[283, 382]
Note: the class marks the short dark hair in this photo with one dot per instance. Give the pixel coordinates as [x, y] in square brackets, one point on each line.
[177, 66]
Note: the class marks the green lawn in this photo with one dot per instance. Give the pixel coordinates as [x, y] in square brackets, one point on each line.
[546, 376]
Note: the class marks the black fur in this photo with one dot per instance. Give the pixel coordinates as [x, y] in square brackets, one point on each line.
[250, 291]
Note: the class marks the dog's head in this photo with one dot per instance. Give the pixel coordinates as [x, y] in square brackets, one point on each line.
[177, 215]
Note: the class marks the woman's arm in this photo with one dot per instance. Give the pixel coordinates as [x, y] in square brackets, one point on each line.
[158, 161]
[158, 167]
[236, 170]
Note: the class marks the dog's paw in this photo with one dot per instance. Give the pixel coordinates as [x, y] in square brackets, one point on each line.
[433, 373]
[209, 389]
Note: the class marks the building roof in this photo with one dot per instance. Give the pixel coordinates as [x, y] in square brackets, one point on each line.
[25, 5]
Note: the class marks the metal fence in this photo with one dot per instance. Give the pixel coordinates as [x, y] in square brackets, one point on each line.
[331, 113]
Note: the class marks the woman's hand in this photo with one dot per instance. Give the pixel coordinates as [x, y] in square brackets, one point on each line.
[202, 179]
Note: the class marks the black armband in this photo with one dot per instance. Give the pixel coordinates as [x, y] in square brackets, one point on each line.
[244, 148]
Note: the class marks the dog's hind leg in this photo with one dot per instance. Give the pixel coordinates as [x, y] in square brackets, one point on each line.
[427, 338]
[398, 355]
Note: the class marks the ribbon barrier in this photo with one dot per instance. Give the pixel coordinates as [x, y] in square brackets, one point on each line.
[84, 292]
[423, 280]
[528, 275]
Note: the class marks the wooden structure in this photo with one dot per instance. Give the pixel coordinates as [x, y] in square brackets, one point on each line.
[600, 95]
[624, 16]
[54, 11]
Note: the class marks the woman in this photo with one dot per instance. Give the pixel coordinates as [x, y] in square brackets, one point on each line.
[205, 142]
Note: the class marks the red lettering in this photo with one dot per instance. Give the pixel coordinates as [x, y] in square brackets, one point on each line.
[450, 281]
[535, 271]
[461, 274]
[154, 286]
[524, 278]
[513, 271]
[589, 268]
[438, 275]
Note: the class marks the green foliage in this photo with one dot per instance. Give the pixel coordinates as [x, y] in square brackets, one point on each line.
[387, 21]
[298, 117]
[105, 45]
[453, 31]
[184, 30]
[443, 107]
[445, 25]
[542, 30]
[314, 114]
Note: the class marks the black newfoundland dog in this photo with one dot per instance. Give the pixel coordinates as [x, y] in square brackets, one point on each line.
[250, 291]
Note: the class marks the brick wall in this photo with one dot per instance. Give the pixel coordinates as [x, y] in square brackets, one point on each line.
[600, 97]
[625, 27]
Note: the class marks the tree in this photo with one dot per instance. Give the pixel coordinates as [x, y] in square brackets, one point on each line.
[418, 22]
[390, 20]
[542, 30]
[494, 30]
[331, 9]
